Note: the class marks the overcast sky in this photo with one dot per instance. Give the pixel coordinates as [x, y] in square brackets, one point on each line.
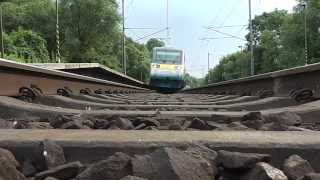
[188, 19]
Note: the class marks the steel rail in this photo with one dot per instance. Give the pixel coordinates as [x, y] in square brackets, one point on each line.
[279, 83]
[14, 76]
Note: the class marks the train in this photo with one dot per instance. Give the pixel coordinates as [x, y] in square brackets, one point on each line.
[167, 69]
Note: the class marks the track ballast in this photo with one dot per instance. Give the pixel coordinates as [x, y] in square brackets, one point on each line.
[116, 131]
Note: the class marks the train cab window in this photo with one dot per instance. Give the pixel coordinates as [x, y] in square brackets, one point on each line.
[168, 57]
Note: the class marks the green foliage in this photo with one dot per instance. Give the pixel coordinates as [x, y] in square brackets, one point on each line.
[191, 81]
[35, 15]
[90, 29]
[138, 60]
[89, 32]
[278, 43]
[26, 46]
[230, 67]
[152, 43]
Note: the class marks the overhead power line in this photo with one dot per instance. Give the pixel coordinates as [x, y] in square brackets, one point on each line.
[162, 38]
[134, 33]
[237, 34]
[229, 26]
[213, 38]
[225, 19]
[167, 28]
[221, 9]
[231, 12]
[152, 34]
[227, 34]
[217, 15]
[139, 28]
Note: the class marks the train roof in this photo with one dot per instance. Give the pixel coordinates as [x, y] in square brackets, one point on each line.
[167, 48]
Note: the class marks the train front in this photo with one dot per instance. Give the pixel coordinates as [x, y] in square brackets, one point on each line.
[167, 70]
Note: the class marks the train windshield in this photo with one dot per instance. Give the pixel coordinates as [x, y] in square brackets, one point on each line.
[168, 57]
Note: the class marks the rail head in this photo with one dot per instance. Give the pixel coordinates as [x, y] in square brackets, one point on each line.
[265, 76]
[69, 66]
[24, 67]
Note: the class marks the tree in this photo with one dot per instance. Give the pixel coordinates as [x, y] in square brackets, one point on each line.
[35, 15]
[8, 45]
[153, 42]
[267, 30]
[278, 43]
[91, 30]
[26, 46]
[293, 39]
[233, 66]
[138, 63]
[191, 81]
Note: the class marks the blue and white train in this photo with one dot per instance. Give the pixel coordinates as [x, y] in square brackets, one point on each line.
[167, 69]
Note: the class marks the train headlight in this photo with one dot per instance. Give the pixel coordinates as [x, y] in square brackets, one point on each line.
[156, 66]
[177, 68]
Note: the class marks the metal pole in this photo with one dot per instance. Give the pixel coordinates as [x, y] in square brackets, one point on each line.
[241, 65]
[251, 40]
[305, 35]
[2, 38]
[58, 59]
[124, 59]
[168, 30]
[208, 67]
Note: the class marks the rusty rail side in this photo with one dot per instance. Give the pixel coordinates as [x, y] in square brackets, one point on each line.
[14, 76]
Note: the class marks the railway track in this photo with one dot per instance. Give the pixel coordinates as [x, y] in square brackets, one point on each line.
[18, 79]
[68, 126]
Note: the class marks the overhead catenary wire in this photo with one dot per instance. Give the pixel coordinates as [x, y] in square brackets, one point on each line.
[139, 28]
[230, 36]
[213, 38]
[129, 8]
[133, 33]
[227, 26]
[167, 27]
[152, 34]
[221, 9]
[240, 30]
[231, 12]
[217, 15]
[227, 34]
[139, 38]
[134, 30]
